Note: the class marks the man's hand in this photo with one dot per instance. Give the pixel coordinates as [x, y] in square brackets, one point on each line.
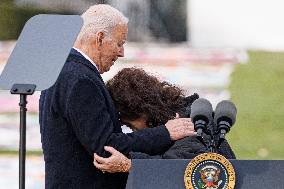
[180, 128]
[117, 162]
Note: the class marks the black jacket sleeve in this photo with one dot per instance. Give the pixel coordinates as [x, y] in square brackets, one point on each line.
[187, 148]
[94, 128]
[190, 147]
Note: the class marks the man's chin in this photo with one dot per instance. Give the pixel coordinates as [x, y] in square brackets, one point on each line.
[104, 70]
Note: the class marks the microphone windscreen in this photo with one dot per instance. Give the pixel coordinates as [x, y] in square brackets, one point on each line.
[225, 111]
[201, 109]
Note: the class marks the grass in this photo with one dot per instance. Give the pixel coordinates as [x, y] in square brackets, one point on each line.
[16, 153]
[257, 88]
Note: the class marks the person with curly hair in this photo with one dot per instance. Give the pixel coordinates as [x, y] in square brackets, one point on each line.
[143, 102]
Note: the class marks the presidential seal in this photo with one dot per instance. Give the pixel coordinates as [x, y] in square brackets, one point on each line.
[209, 171]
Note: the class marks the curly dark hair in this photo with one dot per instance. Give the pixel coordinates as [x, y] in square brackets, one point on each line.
[138, 94]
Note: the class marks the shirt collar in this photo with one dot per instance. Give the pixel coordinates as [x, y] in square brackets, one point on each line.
[86, 56]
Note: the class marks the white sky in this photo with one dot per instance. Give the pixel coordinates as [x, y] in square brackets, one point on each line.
[237, 23]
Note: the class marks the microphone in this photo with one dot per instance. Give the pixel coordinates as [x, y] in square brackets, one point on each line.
[201, 116]
[225, 118]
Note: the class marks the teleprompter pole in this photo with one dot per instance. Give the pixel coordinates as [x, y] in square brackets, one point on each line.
[22, 156]
[23, 90]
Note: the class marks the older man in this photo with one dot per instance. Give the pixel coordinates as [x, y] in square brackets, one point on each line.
[77, 115]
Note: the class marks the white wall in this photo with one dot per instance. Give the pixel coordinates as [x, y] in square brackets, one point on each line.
[237, 23]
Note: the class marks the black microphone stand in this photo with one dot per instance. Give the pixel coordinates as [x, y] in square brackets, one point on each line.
[199, 126]
[212, 144]
[223, 129]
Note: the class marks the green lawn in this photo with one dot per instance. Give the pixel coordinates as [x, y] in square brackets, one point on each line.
[16, 152]
[257, 88]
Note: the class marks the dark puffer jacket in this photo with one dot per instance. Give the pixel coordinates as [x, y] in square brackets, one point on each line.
[189, 147]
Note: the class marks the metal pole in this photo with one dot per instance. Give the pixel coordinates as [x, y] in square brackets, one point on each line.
[23, 90]
[22, 155]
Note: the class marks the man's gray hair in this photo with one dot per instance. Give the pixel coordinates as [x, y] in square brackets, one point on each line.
[101, 17]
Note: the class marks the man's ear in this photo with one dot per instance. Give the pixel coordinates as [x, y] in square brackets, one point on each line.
[99, 38]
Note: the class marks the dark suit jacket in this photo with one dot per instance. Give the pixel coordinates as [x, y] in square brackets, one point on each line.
[78, 118]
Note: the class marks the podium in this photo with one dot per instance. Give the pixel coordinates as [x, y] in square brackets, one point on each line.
[169, 174]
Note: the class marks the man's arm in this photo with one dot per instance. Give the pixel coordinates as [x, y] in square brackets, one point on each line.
[93, 126]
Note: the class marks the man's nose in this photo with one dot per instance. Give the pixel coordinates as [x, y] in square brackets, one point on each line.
[121, 52]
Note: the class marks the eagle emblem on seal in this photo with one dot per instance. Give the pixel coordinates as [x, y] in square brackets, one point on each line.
[209, 175]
